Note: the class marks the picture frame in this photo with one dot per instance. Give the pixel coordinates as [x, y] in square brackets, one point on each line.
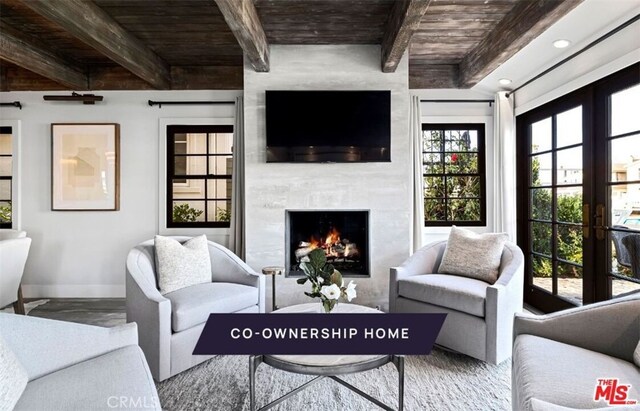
[85, 166]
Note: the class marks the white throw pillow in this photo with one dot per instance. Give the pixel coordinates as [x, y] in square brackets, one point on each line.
[182, 265]
[13, 376]
[473, 255]
[636, 355]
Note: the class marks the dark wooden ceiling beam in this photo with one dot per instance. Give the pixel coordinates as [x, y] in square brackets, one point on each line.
[19, 49]
[429, 76]
[403, 22]
[93, 26]
[526, 21]
[243, 20]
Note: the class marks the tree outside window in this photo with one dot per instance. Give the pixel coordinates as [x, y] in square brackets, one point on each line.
[453, 165]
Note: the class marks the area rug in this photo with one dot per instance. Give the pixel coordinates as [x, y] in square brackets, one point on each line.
[440, 381]
[27, 306]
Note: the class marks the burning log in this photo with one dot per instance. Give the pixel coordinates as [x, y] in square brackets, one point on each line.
[335, 248]
[351, 250]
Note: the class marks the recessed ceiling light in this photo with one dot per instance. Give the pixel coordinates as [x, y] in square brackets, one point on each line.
[504, 81]
[560, 44]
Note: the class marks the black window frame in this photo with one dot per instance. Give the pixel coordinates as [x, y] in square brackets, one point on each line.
[482, 173]
[9, 224]
[172, 130]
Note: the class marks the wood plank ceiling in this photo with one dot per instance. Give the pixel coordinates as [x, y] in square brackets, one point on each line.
[199, 44]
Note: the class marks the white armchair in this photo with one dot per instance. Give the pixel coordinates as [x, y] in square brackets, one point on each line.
[171, 324]
[14, 250]
[78, 367]
[480, 315]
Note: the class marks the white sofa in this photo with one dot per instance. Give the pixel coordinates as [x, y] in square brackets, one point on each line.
[479, 315]
[79, 367]
[171, 324]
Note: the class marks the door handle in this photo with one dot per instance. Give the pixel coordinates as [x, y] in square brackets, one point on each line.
[585, 221]
[599, 223]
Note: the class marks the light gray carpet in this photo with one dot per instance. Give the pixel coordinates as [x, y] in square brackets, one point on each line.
[440, 381]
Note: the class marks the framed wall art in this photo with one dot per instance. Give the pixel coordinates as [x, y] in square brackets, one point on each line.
[85, 167]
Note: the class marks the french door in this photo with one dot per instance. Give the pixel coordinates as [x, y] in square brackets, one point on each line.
[579, 194]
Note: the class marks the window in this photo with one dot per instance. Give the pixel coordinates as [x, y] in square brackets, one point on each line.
[454, 174]
[199, 173]
[6, 166]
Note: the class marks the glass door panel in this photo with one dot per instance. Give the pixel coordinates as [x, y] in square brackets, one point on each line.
[555, 206]
[623, 188]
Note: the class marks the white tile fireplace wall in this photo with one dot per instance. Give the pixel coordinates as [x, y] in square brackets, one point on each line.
[382, 188]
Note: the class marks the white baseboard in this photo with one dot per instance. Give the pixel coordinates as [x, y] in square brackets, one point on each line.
[73, 291]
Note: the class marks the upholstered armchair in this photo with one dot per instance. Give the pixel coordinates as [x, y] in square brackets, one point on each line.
[14, 250]
[479, 320]
[574, 348]
[171, 324]
[77, 366]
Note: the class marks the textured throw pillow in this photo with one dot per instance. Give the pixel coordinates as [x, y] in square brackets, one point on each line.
[473, 255]
[13, 377]
[636, 355]
[182, 265]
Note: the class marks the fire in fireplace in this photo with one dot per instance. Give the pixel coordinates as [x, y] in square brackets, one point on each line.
[343, 235]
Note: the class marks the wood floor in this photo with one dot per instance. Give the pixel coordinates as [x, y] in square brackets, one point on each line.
[105, 312]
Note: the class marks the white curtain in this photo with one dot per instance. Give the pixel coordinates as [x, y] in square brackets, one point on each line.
[504, 166]
[236, 237]
[415, 131]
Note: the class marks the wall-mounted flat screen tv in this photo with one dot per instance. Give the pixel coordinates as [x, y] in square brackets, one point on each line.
[328, 126]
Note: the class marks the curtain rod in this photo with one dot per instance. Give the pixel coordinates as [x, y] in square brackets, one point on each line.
[459, 101]
[577, 53]
[184, 103]
[12, 104]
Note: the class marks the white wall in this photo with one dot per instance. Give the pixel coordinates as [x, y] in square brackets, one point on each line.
[382, 188]
[82, 254]
[461, 113]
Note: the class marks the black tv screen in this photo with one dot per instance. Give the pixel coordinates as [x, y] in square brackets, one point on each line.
[328, 126]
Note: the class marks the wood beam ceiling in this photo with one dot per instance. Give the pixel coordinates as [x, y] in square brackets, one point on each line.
[17, 48]
[526, 21]
[90, 24]
[403, 22]
[242, 18]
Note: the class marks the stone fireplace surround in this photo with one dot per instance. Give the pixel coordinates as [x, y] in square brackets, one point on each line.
[382, 188]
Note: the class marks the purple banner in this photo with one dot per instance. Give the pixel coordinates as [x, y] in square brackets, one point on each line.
[255, 334]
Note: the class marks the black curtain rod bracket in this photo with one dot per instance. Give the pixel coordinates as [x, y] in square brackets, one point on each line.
[577, 53]
[459, 101]
[84, 98]
[186, 103]
[12, 104]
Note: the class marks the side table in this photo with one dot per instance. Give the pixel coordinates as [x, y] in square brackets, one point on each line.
[273, 271]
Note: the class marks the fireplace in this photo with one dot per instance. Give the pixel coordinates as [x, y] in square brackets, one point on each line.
[343, 235]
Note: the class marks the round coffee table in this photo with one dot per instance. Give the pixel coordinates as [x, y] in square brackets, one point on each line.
[326, 366]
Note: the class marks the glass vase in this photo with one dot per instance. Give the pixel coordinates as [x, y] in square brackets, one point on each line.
[328, 305]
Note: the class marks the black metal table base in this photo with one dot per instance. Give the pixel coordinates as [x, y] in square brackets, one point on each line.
[256, 360]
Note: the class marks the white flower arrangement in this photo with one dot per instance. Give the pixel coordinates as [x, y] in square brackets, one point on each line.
[326, 282]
